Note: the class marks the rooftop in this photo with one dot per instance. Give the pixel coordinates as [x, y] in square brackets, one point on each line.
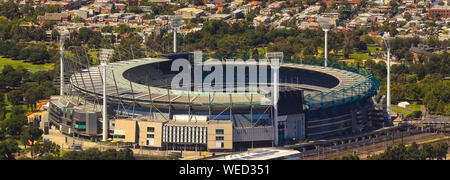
[260, 154]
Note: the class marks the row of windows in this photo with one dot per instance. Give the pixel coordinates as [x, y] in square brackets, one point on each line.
[219, 138]
[184, 134]
[150, 131]
[219, 131]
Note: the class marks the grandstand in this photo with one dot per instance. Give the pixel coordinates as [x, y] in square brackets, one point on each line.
[315, 102]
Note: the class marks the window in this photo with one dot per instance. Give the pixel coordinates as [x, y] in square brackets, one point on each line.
[219, 138]
[150, 136]
[220, 145]
[150, 129]
[219, 131]
[119, 136]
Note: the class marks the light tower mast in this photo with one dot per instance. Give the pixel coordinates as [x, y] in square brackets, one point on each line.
[275, 59]
[176, 22]
[62, 37]
[105, 56]
[388, 93]
[325, 24]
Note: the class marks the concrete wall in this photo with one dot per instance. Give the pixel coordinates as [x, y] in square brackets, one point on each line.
[295, 127]
[127, 128]
[157, 139]
[253, 134]
[227, 135]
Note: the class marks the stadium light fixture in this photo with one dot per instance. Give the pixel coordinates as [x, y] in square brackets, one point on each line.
[62, 37]
[388, 67]
[278, 56]
[324, 22]
[105, 56]
[176, 21]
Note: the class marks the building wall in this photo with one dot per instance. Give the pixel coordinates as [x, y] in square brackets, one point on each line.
[156, 141]
[37, 118]
[185, 133]
[444, 13]
[217, 132]
[295, 126]
[128, 128]
[253, 134]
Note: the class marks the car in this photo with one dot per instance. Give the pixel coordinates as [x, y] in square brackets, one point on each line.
[77, 147]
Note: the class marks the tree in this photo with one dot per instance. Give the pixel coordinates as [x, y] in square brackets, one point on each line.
[31, 97]
[7, 148]
[439, 150]
[228, 45]
[10, 76]
[135, 9]
[30, 134]
[13, 126]
[54, 9]
[9, 9]
[45, 148]
[109, 154]
[309, 50]
[2, 107]
[55, 34]
[415, 114]
[15, 97]
[125, 154]
[107, 29]
[427, 151]
[123, 28]
[413, 151]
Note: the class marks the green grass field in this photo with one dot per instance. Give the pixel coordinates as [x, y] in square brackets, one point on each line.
[17, 63]
[360, 56]
[401, 111]
[414, 107]
[373, 49]
[9, 107]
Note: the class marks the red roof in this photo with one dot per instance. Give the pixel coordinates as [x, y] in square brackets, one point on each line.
[311, 20]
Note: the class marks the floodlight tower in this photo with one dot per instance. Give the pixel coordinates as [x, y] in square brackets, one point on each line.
[325, 24]
[388, 93]
[105, 56]
[176, 21]
[275, 58]
[62, 38]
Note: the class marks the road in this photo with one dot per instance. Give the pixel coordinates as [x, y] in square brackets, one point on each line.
[60, 139]
[366, 147]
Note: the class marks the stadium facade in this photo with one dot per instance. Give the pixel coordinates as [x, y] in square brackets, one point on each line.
[315, 102]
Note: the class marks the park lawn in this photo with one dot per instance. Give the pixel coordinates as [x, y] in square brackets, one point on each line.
[6, 99]
[360, 56]
[17, 63]
[401, 111]
[9, 108]
[414, 107]
[373, 49]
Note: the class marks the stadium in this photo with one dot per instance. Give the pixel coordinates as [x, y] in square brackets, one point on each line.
[315, 102]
